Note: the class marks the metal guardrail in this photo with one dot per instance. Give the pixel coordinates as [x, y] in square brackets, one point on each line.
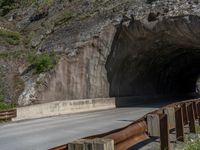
[173, 116]
[8, 114]
[123, 137]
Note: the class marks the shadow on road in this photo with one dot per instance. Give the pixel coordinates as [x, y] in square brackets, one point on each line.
[152, 101]
[141, 144]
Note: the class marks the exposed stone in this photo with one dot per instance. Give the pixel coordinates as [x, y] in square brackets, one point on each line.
[84, 75]
[39, 15]
[82, 33]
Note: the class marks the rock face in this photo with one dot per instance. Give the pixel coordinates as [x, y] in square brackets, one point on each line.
[84, 75]
[110, 48]
[160, 58]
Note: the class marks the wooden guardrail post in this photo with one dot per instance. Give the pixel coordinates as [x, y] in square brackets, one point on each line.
[170, 112]
[153, 125]
[179, 124]
[92, 144]
[185, 114]
[76, 145]
[158, 127]
[103, 144]
[191, 118]
[198, 111]
[164, 132]
[195, 109]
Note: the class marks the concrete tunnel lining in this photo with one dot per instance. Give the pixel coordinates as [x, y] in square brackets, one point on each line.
[155, 58]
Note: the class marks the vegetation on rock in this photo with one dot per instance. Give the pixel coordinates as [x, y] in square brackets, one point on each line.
[18, 87]
[6, 6]
[10, 37]
[42, 62]
[2, 92]
[12, 55]
[63, 19]
[4, 106]
[193, 144]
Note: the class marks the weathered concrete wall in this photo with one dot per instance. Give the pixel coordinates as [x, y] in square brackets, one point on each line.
[64, 107]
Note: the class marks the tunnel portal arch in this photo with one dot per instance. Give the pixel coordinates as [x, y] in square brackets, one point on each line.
[155, 58]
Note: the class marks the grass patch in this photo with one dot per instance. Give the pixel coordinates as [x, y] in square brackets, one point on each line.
[5, 106]
[193, 145]
[13, 55]
[10, 37]
[85, 16]
[65, 18]
[42, 62]
[42, 4]
[192, 142]
[6, 6]
[198, 129]
[37, 3]
[39, 83]
[18, 86]
[2, 91]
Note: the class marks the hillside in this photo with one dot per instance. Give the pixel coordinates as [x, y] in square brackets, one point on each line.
[58, 49]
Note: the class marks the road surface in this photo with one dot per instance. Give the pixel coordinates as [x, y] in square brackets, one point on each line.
[41, 134]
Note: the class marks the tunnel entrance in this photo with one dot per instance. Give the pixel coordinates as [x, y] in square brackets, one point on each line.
[198, 85]
[155, 58]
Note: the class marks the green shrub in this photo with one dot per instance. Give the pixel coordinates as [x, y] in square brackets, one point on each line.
[65, 18]
[12, 55]
[193, 145]
[4, 106]
[10, 37]
[2, 92]
[43, 3]
[42, 62]
[18, 87]
[6, 6]
[198, 129]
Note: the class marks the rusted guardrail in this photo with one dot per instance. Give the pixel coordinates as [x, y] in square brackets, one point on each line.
[160, 123]
[123, 137]
[8, 114]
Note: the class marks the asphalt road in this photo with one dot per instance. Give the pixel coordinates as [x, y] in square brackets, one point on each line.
[41, 134]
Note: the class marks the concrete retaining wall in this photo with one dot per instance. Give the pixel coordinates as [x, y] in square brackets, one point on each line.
[64, 107]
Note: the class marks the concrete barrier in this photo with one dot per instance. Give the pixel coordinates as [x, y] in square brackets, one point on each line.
[63, 107]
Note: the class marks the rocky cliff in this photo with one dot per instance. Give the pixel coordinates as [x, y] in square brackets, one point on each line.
[102, 47]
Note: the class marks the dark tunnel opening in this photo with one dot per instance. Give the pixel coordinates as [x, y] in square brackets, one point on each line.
[179, 76]
[160, 58]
